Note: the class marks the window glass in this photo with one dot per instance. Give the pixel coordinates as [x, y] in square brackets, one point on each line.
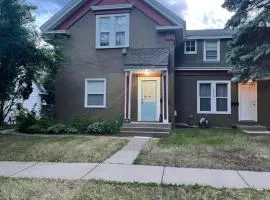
[95, 93]
[211, 50]
[190, 46]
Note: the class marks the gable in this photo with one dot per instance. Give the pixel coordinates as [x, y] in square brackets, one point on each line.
[76, 9]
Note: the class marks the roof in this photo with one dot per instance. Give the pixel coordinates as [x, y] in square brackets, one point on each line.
[209, 33]
[149, 57]
[73, 5]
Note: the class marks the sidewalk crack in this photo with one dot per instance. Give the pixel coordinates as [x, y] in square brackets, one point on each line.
[90, 171]
[23, 169]
[162, 175]
[243, 179]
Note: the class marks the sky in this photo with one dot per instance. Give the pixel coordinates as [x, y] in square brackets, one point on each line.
[199, 14]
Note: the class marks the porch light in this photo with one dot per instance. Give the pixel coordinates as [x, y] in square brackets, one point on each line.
[146, 72]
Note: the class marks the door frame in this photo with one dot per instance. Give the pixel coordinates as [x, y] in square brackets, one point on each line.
[240, 104]
[140, 79]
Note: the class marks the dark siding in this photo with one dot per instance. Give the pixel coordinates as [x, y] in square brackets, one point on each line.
[264, 103]
[196, 60]
[186, 98]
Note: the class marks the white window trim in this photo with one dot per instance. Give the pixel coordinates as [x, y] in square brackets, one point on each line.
[218, 52]
[190, 52]
[213, 97]
[86, 93]
[112, 38]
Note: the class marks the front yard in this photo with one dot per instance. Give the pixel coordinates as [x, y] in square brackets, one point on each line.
[41, 189]
[213, 148]
[58, 148]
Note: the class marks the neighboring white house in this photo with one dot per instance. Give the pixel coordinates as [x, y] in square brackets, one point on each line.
[34, 102]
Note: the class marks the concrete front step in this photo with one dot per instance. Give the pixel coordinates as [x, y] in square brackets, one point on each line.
[144, 134]
[145, 124]
[146, 129]
[252, 128]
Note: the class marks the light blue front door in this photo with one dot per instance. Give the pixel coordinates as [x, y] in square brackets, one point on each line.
[149, 100]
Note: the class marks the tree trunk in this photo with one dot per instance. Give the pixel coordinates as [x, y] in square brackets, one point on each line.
[2, 117]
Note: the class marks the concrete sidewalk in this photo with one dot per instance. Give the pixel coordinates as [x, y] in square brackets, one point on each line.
[137, 173]
[129, 153]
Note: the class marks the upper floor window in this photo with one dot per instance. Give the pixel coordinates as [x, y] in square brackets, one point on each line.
[212, 50]
[191, 47]
[112, 31]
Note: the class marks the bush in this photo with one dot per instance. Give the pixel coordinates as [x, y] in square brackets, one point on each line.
[57, 129]
[26, 119]
[36, 129]
[71, 130]
[105, 127]
[81, 123]
[96, 128]
[45, 123]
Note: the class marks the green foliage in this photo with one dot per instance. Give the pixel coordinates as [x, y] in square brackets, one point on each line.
[25, 120]
[71, 130]
[250, 48]
[82, 123]
[22, 58]
[96, 128]
[57, 129]
[105, 127]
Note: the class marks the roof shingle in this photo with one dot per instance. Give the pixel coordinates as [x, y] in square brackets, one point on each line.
[147, 57]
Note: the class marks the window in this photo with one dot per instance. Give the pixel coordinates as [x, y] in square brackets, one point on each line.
[214, 97]
[191, 47]
[112, 31]
[212, 50]
[95, 93]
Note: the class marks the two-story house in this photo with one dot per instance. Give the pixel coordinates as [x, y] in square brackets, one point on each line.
[135, 58]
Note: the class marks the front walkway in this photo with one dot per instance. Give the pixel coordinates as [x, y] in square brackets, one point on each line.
[137, 173]
[129, 153]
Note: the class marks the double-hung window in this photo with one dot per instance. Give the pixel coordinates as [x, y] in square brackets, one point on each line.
[212, 50]
[112, 31]
[95, 93]
[190, 47]
[214, 97]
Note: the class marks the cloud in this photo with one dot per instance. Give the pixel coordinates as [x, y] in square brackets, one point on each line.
[199, 14]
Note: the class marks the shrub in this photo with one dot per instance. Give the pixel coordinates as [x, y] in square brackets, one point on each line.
[81, 123]
[71, 130]
[26, 119]
[105, 127]
[56, 129]
[45, 123]
[96, 128]
[36, 129]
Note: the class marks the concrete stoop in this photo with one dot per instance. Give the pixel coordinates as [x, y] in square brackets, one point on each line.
[146, 129]
[253, 129]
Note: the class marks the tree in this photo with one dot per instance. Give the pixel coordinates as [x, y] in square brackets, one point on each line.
[22, 58]
[250, 47]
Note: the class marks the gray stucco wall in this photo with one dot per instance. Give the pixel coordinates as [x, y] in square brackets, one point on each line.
[186, 98]
[84, 61]
[196, 60]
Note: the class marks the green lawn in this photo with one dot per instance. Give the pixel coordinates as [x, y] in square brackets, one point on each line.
[41, 189]
[58, 148]
[212, 148]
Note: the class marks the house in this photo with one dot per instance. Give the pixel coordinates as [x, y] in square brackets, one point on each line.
[135, 58]
[34, 102]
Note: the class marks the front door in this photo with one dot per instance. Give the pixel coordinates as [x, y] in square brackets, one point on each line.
[248, 102]
[149, 100]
